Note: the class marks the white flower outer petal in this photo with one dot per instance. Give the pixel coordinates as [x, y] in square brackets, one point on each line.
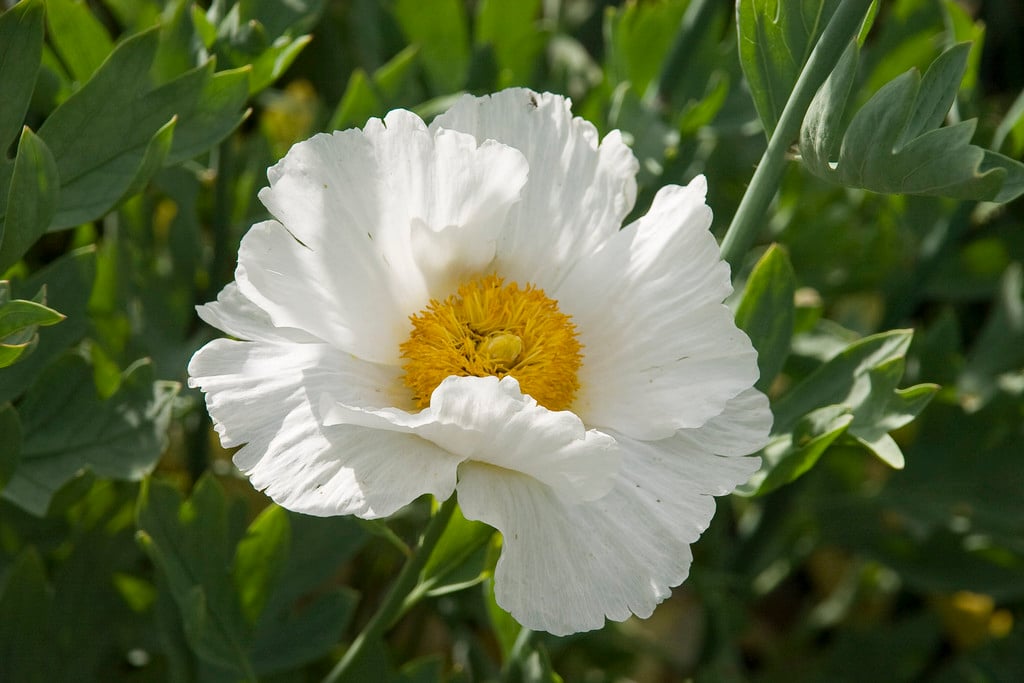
[353, 205]
[661, 351]
[578, 193]
[565, 568]
[241, 318]
[259, 395]
[490, 421]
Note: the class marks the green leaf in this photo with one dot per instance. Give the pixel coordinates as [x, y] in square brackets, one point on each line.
[68, 282]
[860, 380]
[296, 628]
[26, 631]
[274, 61]
[766, 312]
[31, 200]
[366, 96]
[638, 36]
[68, 428]
[440, 29]
[102, 134]
[894, 145]
[792, 455]
[191, 543]
[842, 380]
[296, 637]
[775, 40]
[510, 29]
[1000, 345]
[885, 408]
[78, 36]
[259, 559]
[21, 50]
[457, 561]
[19, 320]
[253, 602]
[280, 18]
[17, 315]
[10, 444]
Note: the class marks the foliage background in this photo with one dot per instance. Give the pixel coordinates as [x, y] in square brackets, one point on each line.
[130, 549]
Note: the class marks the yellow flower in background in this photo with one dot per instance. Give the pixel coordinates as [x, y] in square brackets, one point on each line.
[454, 308]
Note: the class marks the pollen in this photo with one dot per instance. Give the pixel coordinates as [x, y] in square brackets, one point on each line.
[489, 328]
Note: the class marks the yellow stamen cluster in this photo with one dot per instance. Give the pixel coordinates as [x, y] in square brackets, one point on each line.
[489, 328]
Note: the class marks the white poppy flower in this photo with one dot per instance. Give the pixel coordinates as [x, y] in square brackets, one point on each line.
[454, 307]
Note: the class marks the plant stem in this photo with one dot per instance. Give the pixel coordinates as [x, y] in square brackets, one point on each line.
[514, 662]
[391, 609]
[845, 24]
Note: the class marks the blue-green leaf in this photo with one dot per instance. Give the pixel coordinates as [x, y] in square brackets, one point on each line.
[67, 428]
[791, 455]
[101, 135]
[894, 143]
[191, 543]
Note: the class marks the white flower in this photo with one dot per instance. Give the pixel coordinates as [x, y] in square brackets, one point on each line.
[455, 308]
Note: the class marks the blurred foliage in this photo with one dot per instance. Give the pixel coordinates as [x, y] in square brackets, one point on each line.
[136, 134]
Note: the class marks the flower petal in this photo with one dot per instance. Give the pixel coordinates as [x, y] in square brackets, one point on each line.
[241, 318]
[661, 351]
[565, 568]
[741, 429]
[491, 421]
[259, 394]
[367, 207]
[578, 193]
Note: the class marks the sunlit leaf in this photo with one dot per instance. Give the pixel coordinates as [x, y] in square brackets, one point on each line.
[260, 558]
[367, 96]
[78, 36]
[441, 32]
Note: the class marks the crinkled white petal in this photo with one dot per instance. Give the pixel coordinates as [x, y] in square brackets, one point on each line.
[578, 192]
[661, 351]
[258, 394]
[380, 220]
[241, 318]
[741, 429]
[565, 567]
[491, 421]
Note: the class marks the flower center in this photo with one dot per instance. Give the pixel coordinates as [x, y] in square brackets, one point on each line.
[489, 328]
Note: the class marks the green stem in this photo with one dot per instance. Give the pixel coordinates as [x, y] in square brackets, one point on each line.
[391, 609]
[845, 24]
[513, 664]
